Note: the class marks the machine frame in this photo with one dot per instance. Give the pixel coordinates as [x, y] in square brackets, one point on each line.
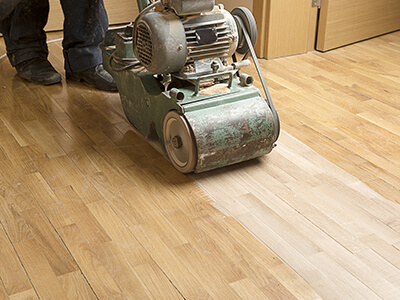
[199, 129]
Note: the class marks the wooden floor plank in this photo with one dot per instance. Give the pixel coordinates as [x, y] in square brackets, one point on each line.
[13, 276]
[82, 216]
[384, 268]
[61, 172]
[11, 220]
[28, 294]
[15, 126]
[75, 286]
[145, 270]
[3, 293]
[180, 274]
[346, 284]
[91, 266]
[14, 190]
[263, 280]
[51, 206]
[387, 251]
[123, 274]
[49, 242]
[40, 272]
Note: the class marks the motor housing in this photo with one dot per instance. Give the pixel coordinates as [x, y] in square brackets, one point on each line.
[165, 41]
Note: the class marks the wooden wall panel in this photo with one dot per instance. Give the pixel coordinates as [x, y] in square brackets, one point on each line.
[119, 11]
[289, 23]
[344, 22]
[261, 14]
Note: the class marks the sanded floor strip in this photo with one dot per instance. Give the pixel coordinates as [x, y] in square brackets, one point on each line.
[329, 227]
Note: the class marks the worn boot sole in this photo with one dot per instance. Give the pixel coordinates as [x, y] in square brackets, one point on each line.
[42, 81]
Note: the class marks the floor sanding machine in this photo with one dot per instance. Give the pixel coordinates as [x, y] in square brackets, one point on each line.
[181, 83]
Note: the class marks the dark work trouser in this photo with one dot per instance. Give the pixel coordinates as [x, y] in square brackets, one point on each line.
[85, 23]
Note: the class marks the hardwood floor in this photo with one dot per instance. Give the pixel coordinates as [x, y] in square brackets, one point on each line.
[88, 209]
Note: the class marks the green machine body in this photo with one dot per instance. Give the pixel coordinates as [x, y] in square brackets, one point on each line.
[177, 87]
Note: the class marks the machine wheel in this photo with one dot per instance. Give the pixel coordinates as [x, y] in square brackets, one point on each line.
[179, 142]
[251, 27]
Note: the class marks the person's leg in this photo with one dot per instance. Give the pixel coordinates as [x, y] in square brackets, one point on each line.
[23, 31]
[85, 25]
[26, 41]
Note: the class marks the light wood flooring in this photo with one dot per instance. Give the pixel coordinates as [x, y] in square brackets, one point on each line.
[88, 209]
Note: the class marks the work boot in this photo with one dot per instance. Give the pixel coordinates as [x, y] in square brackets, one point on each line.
[96, 76]
[38, 70]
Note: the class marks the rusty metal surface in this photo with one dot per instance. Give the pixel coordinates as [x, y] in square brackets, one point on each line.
[231, 133]
[142, 4]
[188, 7]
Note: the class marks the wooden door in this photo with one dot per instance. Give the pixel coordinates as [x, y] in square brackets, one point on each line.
[344, 22]
[285, 27]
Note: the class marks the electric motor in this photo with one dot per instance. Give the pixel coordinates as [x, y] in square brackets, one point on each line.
[184, 32]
